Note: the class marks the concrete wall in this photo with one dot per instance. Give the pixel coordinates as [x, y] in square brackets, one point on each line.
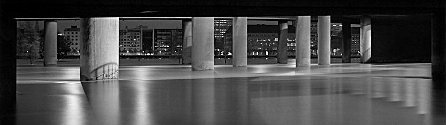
[401, 39]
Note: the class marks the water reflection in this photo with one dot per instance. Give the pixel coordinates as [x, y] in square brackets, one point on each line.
[409, 86]
[140, 112]
[103, 97]
[423, 96]
[73, 111]
[251, 101]
[378, 84]
[395, 90]
[304, 115]
[203, 102]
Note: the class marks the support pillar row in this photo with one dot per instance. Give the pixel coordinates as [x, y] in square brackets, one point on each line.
[240, 42]
[202, 43]
[50, 48]
[323, 46]
[187, 41]
[99, 48]
[365, 43]
[282, 56]
[303, 39]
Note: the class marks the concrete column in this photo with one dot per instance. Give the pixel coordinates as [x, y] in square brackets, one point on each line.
[323, 46]
[303, 37]
[438, 93]
[365, 42]
[346, 42]
[240, 42]
[50, 48]
[439, 51]
[202, 43]
[99, 48]
[8, 74]
[187, 41]
[282, 49]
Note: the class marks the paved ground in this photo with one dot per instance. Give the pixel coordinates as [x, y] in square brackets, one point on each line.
[340, 94]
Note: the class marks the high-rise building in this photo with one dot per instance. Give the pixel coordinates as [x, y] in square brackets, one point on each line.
[355, 41]
[168, 41]
[263, 40]
[73, 35]
[336, 39]
[130, 41]
[147, 41]
[223, 37]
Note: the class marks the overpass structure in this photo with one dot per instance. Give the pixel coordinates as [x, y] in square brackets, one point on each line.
[100, 29]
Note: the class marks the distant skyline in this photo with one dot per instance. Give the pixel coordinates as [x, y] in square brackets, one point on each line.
[151, 24]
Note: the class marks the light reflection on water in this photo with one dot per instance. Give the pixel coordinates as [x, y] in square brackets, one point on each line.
[310, 100]
[366, 98]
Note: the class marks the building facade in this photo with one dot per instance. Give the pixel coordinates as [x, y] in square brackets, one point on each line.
[222, 37]
[263, 40]
[336, 39]
[355, 41]
[130, 41]
[73, 35]
[168, 41]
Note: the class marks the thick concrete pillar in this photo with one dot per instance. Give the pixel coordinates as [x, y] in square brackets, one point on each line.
[438, 89]
[282, 57]
[8, 74]
[365, 43]
[202, 43]
[324, 38]
[50, 48]
[346, 42]
[439, 50]
[99, 48]
[303, 40]
[187, 41]
[240, 42]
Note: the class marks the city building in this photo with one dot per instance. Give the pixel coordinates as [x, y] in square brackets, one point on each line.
[263, 40]
[336, 39]
[130, 41]
[168, 41]
[222, 37]
[73, 35]
[355, 41]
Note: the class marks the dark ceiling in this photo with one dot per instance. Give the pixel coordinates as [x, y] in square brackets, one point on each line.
[170, 8]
